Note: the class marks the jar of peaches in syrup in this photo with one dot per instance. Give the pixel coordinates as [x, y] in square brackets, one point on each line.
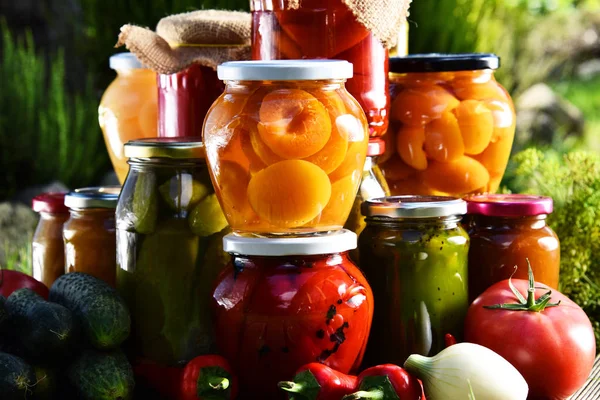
[451, 125]
[286, 145]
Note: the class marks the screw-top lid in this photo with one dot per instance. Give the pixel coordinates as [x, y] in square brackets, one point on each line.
[376, 147]
[165, 147]
[509, 205]
[50, 203]
[414, 207]
[93, 197]
[125, 61]
[330, 243]
[435, 62]
[284, 70]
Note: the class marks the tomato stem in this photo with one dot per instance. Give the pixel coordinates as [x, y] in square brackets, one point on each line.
[374, 394]
[289, 386]
[218, 383]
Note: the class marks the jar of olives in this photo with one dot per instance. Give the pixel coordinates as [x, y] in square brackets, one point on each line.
[414, 254]
[169, 249]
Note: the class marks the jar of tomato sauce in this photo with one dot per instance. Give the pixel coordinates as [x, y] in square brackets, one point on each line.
[286, 145]
[453, 124]
[170, 232]
[48, 250]
[89, 234]
[414, 254]
[128, 109]
[326, 29]
[509, 233]
[285, 302]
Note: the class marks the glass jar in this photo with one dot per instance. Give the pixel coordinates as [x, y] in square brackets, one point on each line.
[89, 234]
[326, 29]
[128, 109]
[453, 124]
[286, 145]
[414, 254]
[285, 302]
[47, 249]
[508, 232]
[169, 249]
[184, 98]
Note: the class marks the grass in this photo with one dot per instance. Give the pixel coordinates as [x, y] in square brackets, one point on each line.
[17, 258]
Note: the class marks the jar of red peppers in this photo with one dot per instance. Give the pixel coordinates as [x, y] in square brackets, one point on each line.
[508, 233]
[285, 302]
[326, 29]
[453, 125]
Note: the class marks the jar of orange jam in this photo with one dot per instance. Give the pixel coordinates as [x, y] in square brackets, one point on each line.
[128, 109]
[286, 145]
[326, 29]
[508, 233]
[453, 125]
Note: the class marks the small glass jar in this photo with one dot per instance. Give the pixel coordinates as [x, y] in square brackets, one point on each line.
[89, 234]
[169, 249]
[326, 29]
[286, 145]
[414, 254]
[184, 99]
[508, 232]
[453, 124]
[128, 109]
[48, 250]
[285, 302]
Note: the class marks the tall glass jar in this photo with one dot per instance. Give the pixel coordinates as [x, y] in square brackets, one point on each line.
[128, 109]
[48, 250]
[286, 302]
[414, 254]
[508, 233]
[169, 249]
[326, 29]
[89, 234]
[286, 145]
[453, 124]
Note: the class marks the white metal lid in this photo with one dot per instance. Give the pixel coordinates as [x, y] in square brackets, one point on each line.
[284, 70]
[125, 61]
[93, 197]
[330, 243]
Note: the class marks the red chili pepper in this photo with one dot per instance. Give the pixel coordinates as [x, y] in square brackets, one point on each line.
[316, 381]
[386, 381]
[449, 340]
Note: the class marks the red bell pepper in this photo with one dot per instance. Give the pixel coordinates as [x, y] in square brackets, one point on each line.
[13, 280]
[317, 381]
[386, 381]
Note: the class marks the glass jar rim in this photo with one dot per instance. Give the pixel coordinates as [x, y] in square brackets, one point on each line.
[509, 205]
[166, 147]
[285, 70]
[439, 62]
[93, 197]
[327, 243]
[413, 206]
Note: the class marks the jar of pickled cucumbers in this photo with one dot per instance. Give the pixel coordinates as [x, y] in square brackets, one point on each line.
[453, 125]
[128, 109]
[414, 254]
[286, 145]
[326, 29]
[169, 249]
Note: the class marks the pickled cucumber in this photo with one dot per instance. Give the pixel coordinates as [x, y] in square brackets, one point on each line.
[182, 192]
[145, 205]
[206, 217]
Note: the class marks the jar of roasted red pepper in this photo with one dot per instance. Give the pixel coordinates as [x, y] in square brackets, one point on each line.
[508, 233]
[326, 29]
[285, 302]
[453, 125]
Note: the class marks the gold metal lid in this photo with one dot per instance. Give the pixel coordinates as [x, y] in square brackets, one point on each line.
[93, 197]
[414, 207]
[166, 147]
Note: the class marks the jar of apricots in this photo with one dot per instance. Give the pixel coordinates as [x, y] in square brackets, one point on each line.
[451, 124]
[128, 109]
[286, 145]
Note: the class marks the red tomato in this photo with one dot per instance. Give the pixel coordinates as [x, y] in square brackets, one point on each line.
[13, 280]
[553, 349]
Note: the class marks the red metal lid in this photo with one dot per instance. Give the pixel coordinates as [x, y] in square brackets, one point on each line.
[376, 147]
[50, 203]
[509, 205]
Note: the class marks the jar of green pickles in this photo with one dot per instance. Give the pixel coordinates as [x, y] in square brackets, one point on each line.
[414, 254]
[169, 249]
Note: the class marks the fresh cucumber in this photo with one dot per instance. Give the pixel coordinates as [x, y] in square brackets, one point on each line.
[98, 308]
[98, 375]
[46, 383]
[46, 331]
[16, 378]
[3, 313]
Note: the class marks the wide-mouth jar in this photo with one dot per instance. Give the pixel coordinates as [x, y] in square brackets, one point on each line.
[286, 145]
[452, 124]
